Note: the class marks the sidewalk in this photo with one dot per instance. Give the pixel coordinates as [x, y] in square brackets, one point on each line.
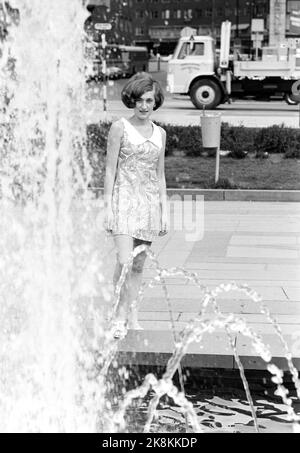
[255, 243]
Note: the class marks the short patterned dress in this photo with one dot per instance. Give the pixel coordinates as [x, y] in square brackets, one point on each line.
[136, 197]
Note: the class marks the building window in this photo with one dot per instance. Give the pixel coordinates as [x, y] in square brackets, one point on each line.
[229, 11]
[139, 31]
[198, 12]
[165, 14]
[293, 5]
[208, 12]
[177, 14]
[188, 14]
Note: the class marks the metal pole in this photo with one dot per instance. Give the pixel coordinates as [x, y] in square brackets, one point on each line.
[237, 18]
[250, 22]
[213, 19]
[104, 71]
[256, 46]
[217, 174]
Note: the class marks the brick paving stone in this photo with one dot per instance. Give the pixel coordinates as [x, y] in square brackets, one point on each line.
[250, 242]
[261, 252]
[240, 306]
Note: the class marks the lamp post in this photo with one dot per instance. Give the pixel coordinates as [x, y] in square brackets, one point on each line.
[250, 6]
[101, 10]
[104, 71]
[237, 18]
[213, 19]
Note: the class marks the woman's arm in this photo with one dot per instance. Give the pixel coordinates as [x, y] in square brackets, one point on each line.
[113, 148]
[162, 186]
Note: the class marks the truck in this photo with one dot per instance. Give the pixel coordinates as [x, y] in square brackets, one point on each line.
[211, 77]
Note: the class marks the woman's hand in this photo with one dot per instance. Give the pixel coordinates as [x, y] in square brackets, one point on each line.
[164, 224]
[108, 220]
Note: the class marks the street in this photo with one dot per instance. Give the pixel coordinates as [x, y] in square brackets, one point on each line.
[179, 109]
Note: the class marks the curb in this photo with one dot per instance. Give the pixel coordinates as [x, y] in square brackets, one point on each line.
[194, 361]
[240, 195]
[231, 194]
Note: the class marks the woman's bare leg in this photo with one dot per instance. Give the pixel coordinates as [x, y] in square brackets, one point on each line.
[136, 277]
[127, 309]
[124, 246]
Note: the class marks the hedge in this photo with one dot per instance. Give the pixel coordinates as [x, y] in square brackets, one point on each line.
[239, 140]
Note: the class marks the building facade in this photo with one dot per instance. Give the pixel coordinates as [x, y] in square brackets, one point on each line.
[118, 13]
[157, 24]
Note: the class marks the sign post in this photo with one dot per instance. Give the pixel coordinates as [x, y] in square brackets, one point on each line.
[104, 71]
[257, 39]
[257, 34]
[104, 26]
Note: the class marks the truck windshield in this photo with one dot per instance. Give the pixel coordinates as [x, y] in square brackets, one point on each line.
[191, 49]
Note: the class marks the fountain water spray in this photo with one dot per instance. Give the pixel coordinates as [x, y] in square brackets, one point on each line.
[47, 260]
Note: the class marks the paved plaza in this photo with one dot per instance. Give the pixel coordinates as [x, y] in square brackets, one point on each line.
[257, 243]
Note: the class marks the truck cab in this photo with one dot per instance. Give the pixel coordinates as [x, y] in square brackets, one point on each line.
[192, 70]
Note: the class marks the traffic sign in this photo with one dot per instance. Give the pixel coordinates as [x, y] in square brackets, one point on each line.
[102, 26]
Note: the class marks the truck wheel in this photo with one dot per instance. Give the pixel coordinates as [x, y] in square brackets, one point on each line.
[205, 93]
[289, 99]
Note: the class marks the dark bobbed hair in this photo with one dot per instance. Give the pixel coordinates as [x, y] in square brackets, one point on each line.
[139, 84]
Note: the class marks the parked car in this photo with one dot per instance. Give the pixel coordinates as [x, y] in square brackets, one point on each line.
[114, 72]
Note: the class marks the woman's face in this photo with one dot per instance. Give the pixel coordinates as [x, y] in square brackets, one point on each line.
[144, 105]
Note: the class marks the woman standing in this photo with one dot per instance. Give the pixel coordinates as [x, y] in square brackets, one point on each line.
[135, 188]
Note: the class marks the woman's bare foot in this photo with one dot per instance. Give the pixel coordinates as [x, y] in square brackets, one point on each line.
[119, 329]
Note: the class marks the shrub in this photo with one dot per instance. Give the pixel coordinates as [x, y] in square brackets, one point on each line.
[274, 139]
[97, 137]
[240, 140]
[183, 138]
[237, 140]
[293, 150]
[225, 183]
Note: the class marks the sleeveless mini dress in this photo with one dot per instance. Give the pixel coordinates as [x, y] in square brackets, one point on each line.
[135, 197]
